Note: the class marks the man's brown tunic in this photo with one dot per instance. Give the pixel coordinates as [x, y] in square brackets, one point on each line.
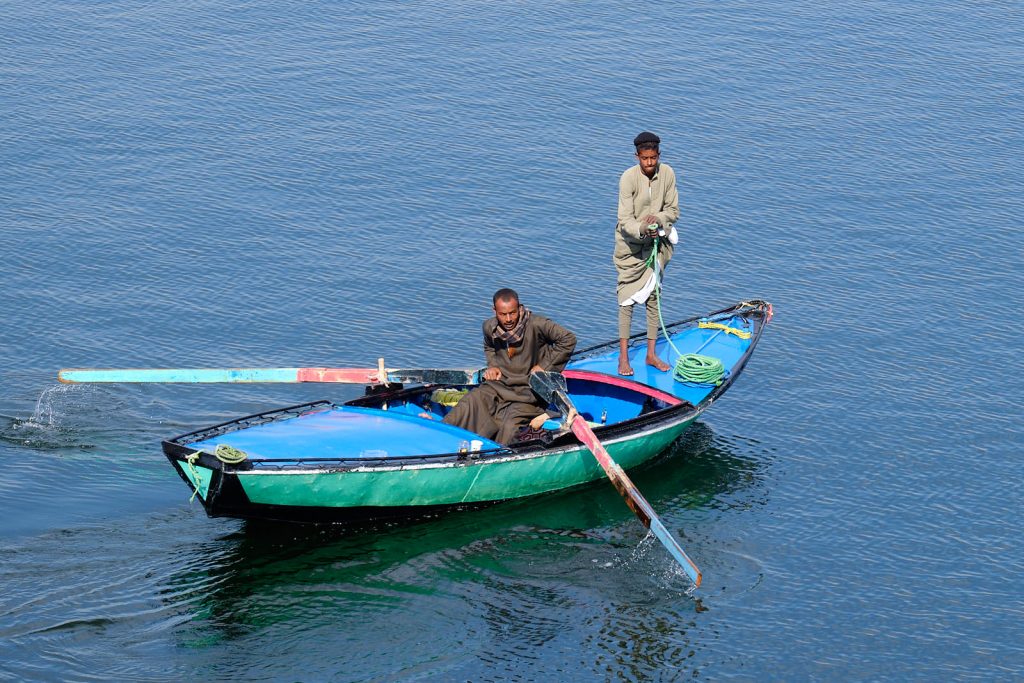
[497, 408]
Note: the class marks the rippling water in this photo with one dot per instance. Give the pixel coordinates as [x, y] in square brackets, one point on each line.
[224, 184]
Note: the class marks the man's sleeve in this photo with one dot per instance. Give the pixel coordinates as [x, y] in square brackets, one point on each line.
[559, 345]
[669, 213]
[629, 225]
[490, 355]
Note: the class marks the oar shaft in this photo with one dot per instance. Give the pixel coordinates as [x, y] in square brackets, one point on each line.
[634, 499]
[269, 375]
[710, 339]
[181, 375]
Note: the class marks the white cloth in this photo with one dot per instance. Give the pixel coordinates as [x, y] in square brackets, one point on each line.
[648, 287]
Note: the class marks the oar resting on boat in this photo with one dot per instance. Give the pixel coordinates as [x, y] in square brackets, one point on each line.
[551, 387]
[378, 375]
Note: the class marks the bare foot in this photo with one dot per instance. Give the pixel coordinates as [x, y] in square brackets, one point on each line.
[658, 363]
[625, 369]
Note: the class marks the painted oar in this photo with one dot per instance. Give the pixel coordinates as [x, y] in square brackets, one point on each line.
[551, 387]
[378, 375]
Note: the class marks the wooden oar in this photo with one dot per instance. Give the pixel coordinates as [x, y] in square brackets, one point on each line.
[551, 387]
[378, 375]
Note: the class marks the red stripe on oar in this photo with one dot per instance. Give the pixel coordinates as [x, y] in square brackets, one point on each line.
[618, 477]
[624, 383]
[343, 375]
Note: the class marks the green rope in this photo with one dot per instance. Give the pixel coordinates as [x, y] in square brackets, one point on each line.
[690, 367]
[229, 455]
[699, 369]
[448, 397]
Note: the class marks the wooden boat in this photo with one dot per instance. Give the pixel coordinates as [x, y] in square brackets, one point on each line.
[381, 456]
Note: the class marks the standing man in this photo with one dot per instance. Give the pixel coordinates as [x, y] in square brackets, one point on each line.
[648, 208]
[516, 344]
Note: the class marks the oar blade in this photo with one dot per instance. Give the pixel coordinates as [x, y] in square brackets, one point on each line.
[551, 387]
[634, 499]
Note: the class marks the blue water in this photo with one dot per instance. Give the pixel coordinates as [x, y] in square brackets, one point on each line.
[254, 184]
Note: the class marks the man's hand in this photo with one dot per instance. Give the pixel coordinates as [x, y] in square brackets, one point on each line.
[538, 422]
[649, 220]
[536, 368]
[492, 374]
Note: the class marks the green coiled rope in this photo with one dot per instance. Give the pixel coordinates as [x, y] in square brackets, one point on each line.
[229, 455]
[699, 369]
[448, 397]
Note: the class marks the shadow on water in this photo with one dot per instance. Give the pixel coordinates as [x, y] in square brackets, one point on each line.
[702, 470]
[528, 553]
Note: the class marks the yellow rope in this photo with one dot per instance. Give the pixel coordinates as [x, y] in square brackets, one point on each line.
[707, 324]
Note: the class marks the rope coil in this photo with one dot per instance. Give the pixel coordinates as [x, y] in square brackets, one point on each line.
[696, 369]
[229, 455]
[448, 397]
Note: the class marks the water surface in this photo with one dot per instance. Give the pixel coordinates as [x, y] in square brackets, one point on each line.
[215, 184]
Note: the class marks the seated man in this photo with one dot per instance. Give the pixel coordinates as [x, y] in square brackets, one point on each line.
[516, 343]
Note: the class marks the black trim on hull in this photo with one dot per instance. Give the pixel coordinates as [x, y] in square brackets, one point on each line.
[342, 516]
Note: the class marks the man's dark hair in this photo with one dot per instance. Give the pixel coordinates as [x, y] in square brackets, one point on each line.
[505, 294]
[646, 140]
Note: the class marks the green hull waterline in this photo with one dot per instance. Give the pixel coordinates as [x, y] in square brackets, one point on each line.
[472, 482]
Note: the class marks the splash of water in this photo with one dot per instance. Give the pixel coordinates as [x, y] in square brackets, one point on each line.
[46, 427]
[47, 410]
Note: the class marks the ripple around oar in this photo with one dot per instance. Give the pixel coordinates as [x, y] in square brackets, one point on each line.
[64, 414]
[31, 434]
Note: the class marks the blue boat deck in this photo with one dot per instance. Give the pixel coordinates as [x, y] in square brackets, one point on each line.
[717, 343]
[347, 433]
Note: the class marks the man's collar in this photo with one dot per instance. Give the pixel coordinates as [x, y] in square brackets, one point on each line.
[657, 171]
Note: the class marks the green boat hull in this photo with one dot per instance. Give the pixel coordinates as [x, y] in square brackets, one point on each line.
[431, 485]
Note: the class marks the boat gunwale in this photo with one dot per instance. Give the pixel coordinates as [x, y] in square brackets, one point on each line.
[642, 425]
[746, 307]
